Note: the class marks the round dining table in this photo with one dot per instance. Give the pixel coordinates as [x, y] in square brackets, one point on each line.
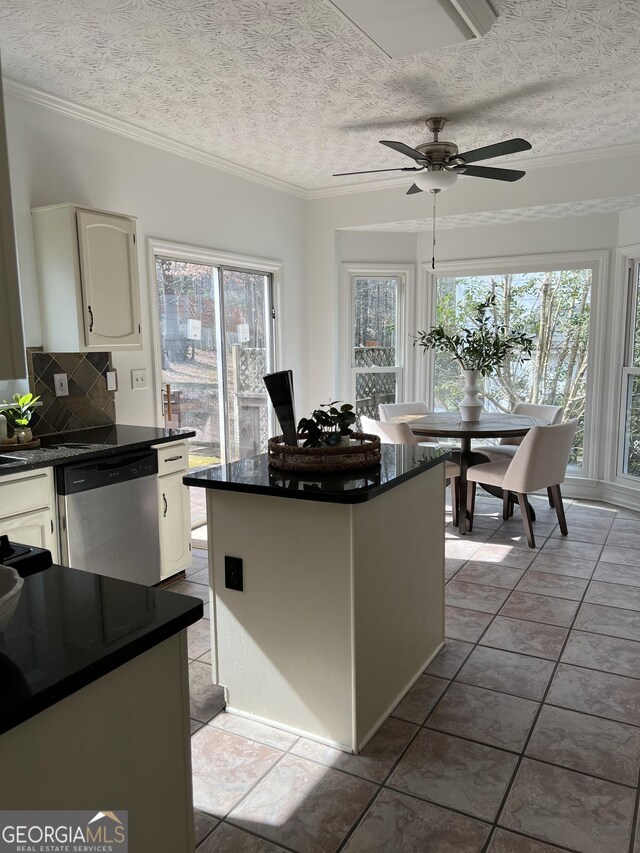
[450, 425]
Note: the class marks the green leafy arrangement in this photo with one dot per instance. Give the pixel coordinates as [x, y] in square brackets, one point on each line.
[483, 345]
[21, 410]
[327, 425]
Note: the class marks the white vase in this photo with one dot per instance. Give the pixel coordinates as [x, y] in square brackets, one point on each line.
[471, 404]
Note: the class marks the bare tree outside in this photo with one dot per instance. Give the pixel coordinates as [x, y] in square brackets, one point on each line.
[375, 313]
[554, 307]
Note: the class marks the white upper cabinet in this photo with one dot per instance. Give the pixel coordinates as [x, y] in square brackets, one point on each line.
[12, 356]
[88, 279]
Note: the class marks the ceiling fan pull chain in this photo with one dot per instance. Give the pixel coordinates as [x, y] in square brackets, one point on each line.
[433, 257]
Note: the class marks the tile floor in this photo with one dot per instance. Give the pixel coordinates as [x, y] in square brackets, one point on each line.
[523, 735]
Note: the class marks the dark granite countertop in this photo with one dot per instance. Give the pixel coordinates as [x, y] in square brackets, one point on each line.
[399, 463]
[85, 444]
[71, 628]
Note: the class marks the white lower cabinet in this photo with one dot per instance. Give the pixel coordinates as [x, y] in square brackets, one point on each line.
[27, 509]
[173, 508]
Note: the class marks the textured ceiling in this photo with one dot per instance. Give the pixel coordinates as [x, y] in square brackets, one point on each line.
[282, 86]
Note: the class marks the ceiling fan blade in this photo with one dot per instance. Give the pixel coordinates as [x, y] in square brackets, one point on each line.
[414, 188]
[369, 171]
[492, 172]
[499, 149]
[403, 149]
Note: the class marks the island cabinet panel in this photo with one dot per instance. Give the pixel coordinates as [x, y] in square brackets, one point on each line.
[122, 740]
[398, 591]
[342, 605]
[284, 644]
[88, 279]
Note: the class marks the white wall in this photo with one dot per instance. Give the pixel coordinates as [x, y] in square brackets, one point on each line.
[629, 228]
[569, 234]
[54, 158]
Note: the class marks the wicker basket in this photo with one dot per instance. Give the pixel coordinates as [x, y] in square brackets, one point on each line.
[344, 457]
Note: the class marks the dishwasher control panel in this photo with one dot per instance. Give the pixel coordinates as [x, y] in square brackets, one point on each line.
[107, 471]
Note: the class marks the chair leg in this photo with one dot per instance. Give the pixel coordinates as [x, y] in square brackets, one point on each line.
[559, 507]
[471, 503]
[507, 509]
[455, 500]
[550, 494]
[525, 511]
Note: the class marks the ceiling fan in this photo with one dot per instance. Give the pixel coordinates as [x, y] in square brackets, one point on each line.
[439, 164]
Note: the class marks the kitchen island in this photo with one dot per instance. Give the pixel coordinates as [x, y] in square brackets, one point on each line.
[342, 600]
[94, 703]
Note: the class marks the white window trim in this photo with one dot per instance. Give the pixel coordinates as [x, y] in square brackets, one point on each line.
[598, 261]
[406, 274]
[199, 254]
[621, 324]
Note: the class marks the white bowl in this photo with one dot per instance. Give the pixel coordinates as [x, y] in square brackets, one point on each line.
[10, 589]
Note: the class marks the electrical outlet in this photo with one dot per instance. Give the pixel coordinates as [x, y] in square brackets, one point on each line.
[60, 384]
[233, 575]
[112, 380]
[139, 379]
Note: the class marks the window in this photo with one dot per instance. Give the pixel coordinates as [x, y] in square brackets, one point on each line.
[216, 344]
[630, 462]
[554, 306]
[375, 340]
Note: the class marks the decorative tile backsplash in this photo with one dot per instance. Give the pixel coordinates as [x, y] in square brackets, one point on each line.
[89, 404]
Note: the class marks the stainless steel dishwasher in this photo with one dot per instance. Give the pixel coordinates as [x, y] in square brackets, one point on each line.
[108, 514]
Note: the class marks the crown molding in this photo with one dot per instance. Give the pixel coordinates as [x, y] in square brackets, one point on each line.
[149, 137]
[88, 115]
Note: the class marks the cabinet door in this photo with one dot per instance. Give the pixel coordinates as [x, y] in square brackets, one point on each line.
[175, 524]
[109, 280]
[32, 528]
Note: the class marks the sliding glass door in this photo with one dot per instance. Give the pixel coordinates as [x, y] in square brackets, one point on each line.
[216, 344]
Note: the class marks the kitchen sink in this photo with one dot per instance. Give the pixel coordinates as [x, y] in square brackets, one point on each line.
[5, 459]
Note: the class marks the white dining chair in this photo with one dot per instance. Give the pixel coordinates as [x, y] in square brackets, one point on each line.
[394, 410]
[388, 411]
[401, 434]
[507, 446]
[540, 462]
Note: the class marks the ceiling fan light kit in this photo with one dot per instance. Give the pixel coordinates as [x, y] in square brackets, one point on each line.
[436, 181]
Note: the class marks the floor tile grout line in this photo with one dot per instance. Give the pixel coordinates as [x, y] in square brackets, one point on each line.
[253, 787]
[634, 819]
[538, 701]
[511, 783]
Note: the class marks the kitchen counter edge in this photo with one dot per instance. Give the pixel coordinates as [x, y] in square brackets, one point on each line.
[43, 457]
[321, 491]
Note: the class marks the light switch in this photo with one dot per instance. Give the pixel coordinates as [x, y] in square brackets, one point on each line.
[60, 384]
[112, 380]
[139, 379]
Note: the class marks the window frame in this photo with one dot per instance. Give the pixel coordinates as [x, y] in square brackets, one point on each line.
[350, 271]
[223, 261]
[627, 369]
[596, 260]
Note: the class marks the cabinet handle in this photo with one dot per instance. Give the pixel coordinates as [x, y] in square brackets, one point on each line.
[91, 318]
[166, 506]
[173, 458]
[52, 525]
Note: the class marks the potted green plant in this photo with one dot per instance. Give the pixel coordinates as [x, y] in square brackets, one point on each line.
[328, 425]
[480, 349]
[20, 414]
